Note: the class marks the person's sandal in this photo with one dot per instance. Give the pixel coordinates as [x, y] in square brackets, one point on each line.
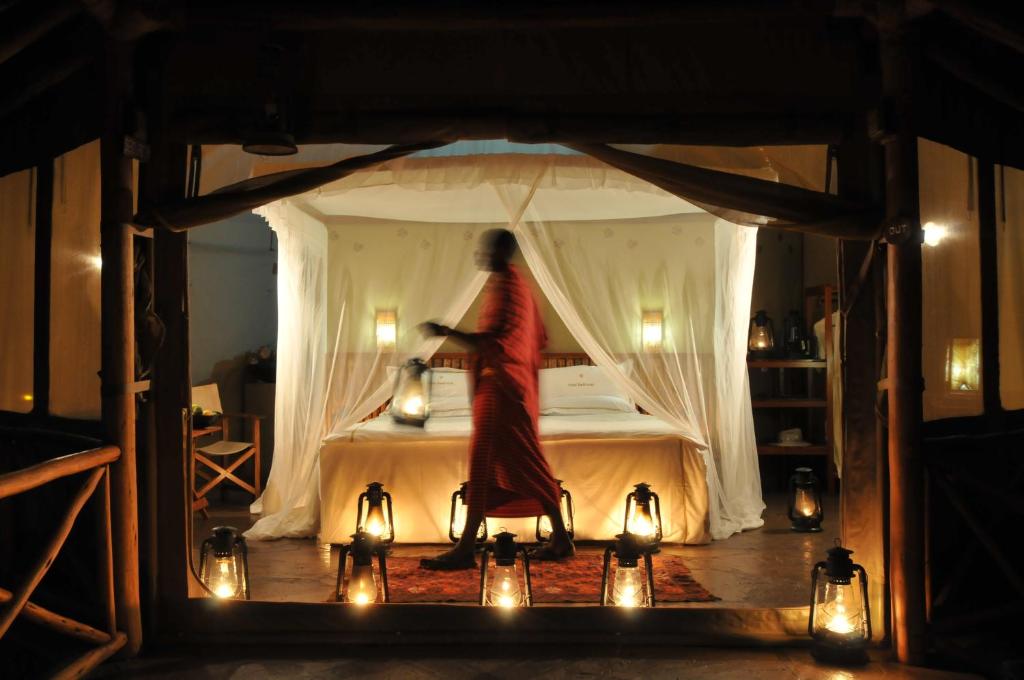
[448, 564]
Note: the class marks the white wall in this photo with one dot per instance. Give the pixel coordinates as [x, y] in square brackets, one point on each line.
[232, 300]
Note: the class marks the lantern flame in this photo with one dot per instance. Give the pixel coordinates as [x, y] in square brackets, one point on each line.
[840, 623]
[413, 406]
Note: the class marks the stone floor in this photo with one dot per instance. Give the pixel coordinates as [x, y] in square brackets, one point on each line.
[704, 664]
[766, 567]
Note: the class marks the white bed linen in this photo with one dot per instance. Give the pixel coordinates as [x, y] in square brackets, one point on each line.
[599, 457]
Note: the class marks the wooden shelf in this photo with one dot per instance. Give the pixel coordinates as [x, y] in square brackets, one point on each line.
[786, 363]
[773, 450]
[789, 403]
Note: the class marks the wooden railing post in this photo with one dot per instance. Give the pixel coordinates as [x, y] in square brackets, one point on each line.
[118, 337]
[903, 349]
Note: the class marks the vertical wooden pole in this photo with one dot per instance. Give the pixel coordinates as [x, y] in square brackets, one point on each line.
[987, 226]
[163, 179]
[41, 304]
[118, 336]
[903, 302]
[863, 491]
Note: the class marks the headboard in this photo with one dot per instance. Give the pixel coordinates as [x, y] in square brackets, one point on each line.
[461, 360]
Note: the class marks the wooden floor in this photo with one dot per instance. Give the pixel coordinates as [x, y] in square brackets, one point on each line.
[766, 567]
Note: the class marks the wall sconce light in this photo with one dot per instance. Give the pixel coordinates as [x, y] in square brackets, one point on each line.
[933, 233]
[224, 564]
[652, 330]
[963, 365]
[840, 618]
[410, 403]
[500, 586]
[643, 514]
[361, 587]
[630, 586]
[761, 337]
[374, 515]
[805, 510]
[457, 521]
[544, 522]
[387, 330]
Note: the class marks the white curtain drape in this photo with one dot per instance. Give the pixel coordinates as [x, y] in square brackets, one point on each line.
[413, 256]
[696, 271]
[332, 279]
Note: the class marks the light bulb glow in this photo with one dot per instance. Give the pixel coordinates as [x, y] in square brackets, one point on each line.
[934, 233]
[413, 405]
[95, 261]
[387, 329]
[651, 330]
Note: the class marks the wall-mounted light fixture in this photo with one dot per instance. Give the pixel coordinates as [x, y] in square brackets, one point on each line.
[934, 233]
[651, 330]
[963, 365]
[387, 330]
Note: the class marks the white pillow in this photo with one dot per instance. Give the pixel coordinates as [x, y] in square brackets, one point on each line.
[577, 381]
[586, 405]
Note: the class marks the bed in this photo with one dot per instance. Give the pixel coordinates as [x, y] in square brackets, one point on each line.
[598, 453]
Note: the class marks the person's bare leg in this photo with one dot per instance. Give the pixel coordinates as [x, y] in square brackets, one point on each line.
[467, 542]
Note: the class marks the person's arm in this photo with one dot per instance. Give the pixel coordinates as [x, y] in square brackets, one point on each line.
[472, 341]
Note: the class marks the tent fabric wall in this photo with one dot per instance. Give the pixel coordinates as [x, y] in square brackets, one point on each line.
[1010, 253]
[17, 281]
[75, 285]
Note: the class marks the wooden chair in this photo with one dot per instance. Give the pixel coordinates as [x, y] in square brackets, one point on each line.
[230, 454]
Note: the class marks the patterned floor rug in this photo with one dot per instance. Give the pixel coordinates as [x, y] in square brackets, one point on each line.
[577, 580]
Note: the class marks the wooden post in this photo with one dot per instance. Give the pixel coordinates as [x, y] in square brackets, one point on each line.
[118, 337]
[862, 501]
[163, 179]
[903, 347]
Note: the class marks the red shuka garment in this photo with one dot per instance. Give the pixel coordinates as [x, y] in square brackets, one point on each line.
[508, 474]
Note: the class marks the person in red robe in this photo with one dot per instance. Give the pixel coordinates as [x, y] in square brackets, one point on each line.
[508, 474]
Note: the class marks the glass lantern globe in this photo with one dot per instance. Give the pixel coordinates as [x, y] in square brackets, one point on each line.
[410, 402]
[643, 514]
[374, 514]
[357, 583]
[224, 564]
[623, 582]
[457, 518]
[840, 619]
[805, 508]
[544, 528]
[761, 337]
[500, 585]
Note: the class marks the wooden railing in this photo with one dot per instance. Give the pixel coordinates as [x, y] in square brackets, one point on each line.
[95, 463]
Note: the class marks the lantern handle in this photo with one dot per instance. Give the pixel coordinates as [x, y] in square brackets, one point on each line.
[604, 575]
[382, 566]
[342, 556]
[649, 568]
[526, 575]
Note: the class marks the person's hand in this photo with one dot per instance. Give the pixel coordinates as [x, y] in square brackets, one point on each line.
[432, 329]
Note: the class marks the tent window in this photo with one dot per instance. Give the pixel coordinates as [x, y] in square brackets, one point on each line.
[951, 296]
[75, 284]
[1010, 254]
[17, 283]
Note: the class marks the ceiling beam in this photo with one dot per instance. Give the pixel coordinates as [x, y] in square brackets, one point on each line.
[1002, 27]
[25, 31]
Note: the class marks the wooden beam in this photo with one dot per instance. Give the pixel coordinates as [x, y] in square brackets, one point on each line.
[41, 302]
[988, 81]
[862, 500]
[80, 667]
[900, 62]
[27, 30]
[994, 25]
[989, 276]
[118, 335]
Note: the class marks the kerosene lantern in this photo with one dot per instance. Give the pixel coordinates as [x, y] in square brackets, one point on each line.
[500, 585]
[544, 522]
[643, 514]
[630, 586]
[374, 515]
[457, 519]
[224, 564]
[410, 402]
[761, 337]
[357, 583]
[805, 508]
[840, 617]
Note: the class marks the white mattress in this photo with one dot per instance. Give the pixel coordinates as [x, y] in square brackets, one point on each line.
[599, 458]
[596, 426]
